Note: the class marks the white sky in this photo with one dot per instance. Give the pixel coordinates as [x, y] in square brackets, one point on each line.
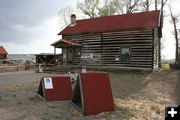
[27, 37]
[168, 51]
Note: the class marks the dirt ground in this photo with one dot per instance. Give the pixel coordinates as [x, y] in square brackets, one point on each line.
[136, 97]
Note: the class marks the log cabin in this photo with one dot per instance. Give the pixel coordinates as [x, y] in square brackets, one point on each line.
[3, 53]
[128, 40]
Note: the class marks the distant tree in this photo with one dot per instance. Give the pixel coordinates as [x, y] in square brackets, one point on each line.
[64, 16]
[175, 20]
[89, 7]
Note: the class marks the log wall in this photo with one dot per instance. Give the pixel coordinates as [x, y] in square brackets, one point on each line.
[105, 47]
[140, 42]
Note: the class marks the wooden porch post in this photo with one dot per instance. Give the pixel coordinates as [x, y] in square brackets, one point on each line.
[54, 50]
[73, 55]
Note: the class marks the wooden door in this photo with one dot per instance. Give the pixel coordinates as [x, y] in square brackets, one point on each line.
[70, 55]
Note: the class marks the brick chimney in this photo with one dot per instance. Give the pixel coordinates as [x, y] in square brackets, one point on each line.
[73, 20]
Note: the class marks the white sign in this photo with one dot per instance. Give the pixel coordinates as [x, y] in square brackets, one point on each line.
[48, 83]
[87, 56]
[117, 59]
[84, 70]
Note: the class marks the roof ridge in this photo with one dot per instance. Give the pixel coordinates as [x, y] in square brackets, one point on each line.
[118, 15]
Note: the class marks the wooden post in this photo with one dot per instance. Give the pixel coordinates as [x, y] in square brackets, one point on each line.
[17, 67]
[55, 53]
[54, 50]
[152, 49]
[73, 55]
[101, 49]
[62, 56]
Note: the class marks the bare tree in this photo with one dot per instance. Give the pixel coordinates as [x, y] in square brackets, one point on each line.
[131, 5]
[175, 21]
[64, 16]
[156, 4]
[108, 8]
[88, 7]
[146, 4]
[96, 8]
[162, 3]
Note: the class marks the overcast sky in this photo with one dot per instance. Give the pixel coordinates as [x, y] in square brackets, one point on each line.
[30, 26]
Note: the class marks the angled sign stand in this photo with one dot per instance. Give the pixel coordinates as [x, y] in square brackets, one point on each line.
[77, 99]
[55, 88]
[93, 94]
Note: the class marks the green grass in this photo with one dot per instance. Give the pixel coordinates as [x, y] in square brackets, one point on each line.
[14, 95]
[19, 103]
[156, 109]
[165, 66]
[31, 98]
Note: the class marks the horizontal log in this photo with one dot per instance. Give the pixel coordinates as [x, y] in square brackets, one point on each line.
[124, 65]
[126, 44]
[126, 38]
[128, 34]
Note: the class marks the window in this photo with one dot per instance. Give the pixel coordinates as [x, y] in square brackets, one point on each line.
[125, 54]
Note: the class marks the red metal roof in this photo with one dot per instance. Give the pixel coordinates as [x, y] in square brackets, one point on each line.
[116, 22]
[3, 51]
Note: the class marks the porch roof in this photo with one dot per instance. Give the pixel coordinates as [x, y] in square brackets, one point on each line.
[66, 43]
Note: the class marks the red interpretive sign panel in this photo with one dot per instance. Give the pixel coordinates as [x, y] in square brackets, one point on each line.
[55, 88]
[93, 94]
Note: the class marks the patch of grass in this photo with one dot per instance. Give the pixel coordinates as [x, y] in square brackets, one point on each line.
[45, 119]
[156, 109]
[165, 66]
[19, 103]
[14, 95]
[57, 117]
[0, 98]
[31, 98]
[46, 113]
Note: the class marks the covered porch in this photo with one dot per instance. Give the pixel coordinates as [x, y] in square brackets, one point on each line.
[71, 51]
